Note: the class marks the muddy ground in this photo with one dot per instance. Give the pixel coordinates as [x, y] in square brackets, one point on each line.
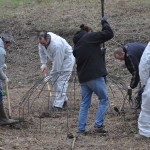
[130, 22]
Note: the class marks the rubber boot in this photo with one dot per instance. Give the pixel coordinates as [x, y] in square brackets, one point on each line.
[4, 120]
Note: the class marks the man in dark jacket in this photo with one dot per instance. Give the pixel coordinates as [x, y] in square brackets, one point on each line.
[131, 54]
[91, 71]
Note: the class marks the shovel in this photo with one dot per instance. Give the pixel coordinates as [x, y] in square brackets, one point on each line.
[8, 99]
[49, 88]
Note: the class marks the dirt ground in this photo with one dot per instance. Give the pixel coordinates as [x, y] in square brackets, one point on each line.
[130, 22]
[51, 132]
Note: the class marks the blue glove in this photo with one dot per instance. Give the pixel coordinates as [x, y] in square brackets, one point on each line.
[103, 19]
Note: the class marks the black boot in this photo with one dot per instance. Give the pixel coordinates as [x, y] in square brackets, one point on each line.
[4, 120]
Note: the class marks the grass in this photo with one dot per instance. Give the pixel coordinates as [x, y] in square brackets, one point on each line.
[129, 20]
[22, 2]
[13, 2]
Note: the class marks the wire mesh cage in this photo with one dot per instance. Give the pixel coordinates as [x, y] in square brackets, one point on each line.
[40, 99]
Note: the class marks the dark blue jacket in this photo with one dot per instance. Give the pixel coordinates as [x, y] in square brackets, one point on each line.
[133, 53]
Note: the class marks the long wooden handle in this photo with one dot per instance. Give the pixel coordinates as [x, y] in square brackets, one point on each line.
[8, 100]
[48, 85]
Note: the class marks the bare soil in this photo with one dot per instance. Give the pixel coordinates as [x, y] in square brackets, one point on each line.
[130, 22]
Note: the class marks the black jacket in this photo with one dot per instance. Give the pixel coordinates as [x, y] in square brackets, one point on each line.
[89, 60]
[133, 53]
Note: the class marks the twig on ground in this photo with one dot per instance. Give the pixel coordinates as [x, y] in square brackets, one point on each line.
[74, 139]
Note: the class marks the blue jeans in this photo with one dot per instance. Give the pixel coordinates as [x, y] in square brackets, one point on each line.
[97, 86]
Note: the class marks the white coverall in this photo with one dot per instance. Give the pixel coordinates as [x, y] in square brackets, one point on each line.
[144, 72]
[60, 53]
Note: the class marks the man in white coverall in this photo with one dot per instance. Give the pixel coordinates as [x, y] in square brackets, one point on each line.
[57, 49]
[144, 72]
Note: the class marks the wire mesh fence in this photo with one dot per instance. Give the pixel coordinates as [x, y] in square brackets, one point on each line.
[40, 99]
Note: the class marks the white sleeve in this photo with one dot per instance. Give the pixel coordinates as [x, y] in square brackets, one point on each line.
[144, 66]
[58, 58]
[43, 56]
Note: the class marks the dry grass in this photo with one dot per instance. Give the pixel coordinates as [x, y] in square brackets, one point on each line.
[130, 22]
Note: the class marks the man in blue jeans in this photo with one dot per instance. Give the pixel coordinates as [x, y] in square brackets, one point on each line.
[91, 71]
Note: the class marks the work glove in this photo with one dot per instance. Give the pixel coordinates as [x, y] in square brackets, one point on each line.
[5, 67]
[103, 19]
[7, 80]
[43, 67]
[129, 90]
